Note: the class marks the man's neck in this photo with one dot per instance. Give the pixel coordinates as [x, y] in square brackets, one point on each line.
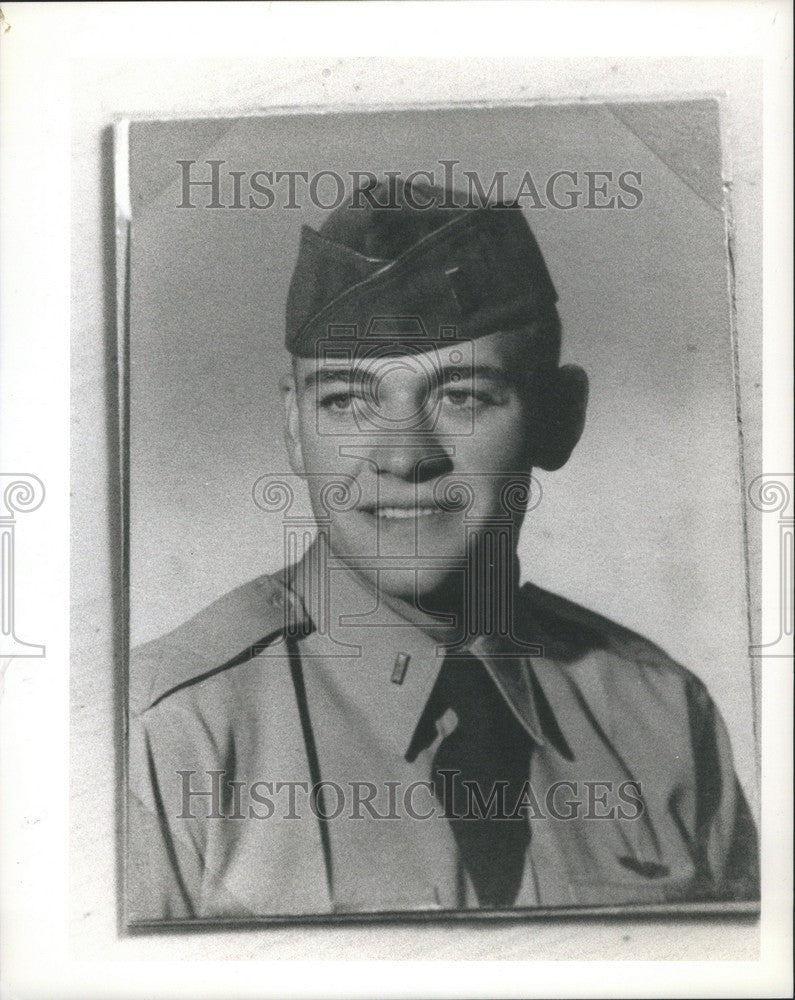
[460, 608]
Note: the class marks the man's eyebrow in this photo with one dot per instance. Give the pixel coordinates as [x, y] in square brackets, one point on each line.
[445, 374]
[493, 373]
[327, 375]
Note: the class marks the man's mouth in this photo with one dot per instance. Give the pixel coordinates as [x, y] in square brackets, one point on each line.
[393, 512]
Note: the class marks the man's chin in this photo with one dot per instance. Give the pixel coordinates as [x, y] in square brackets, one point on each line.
[361, 535]
[416, 569]
[422, 589]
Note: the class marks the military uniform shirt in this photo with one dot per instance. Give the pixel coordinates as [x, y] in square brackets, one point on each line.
[256, 693]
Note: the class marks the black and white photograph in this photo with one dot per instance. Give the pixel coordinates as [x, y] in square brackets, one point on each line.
[396, 499]
[427, 611]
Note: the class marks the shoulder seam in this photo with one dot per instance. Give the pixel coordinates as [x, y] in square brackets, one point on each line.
[228, 632]
[624, 642]
[242, 657]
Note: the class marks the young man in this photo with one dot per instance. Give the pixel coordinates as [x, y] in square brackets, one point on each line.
[393, 723]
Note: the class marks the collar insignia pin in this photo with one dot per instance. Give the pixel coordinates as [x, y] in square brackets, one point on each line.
[400, 667]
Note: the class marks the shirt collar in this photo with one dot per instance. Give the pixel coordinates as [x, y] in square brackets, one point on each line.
[401, 653]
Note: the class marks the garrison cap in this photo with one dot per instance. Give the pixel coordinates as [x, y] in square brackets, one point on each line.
[412, 261]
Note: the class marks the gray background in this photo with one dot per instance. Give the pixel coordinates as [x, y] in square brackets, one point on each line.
[643, 525]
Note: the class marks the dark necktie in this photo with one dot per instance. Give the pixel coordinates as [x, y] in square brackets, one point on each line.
[491, 750]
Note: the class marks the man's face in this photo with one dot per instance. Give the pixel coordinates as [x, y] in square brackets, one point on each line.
[431, 445]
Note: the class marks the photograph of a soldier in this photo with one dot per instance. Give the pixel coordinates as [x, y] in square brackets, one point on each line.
[393, 723]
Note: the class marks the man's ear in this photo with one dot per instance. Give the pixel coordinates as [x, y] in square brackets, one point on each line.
[292, 425]
[564, 402]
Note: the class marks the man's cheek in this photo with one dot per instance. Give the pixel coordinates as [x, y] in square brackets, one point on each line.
[323, 457]
[482, 459]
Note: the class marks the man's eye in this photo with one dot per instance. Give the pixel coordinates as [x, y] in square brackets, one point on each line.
[338, 402]
[459, 397]
[468, 398]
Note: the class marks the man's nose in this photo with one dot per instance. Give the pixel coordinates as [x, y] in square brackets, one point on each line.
[414, 458]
